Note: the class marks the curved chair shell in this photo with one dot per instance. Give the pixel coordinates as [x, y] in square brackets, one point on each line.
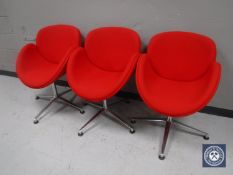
[38, 65]
[102, 68]
[179, 75]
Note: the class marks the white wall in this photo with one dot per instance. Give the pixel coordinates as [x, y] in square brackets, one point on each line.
[21, 19]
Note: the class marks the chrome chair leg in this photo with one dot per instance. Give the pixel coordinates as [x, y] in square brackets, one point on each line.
[44, 97]
[55, 94]
[121, 121]
[119, 101]
[205, 135]
[111, 104]
[37, 118]
[80, 132]
[168, 122]
[71, 104]
[165, 136]
[104, 109]
[64, 92]
[56, 97]
[95, 105]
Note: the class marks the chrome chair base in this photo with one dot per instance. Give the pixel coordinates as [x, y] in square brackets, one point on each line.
[168, 122]
[104, 110]
[56, 97]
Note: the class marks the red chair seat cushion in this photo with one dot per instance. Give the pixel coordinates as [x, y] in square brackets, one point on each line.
[175, 98]
[93, 83]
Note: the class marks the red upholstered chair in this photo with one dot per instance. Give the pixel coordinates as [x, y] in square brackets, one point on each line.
[41, 64]
[100, 69]
[177, 77]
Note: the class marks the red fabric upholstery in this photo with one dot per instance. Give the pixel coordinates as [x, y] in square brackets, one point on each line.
[111, 48]
[181, 55]
[102, 68]
[40, 64]
[169, 87]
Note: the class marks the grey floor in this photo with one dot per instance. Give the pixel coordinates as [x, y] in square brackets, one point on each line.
[53, 147]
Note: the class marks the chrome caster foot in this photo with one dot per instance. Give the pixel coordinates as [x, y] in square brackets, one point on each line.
[36, 121]
[37, 98]
[82, 111]
[206, 137]
[133, 121]
[161, 156]
[132, 131]
[80, 133]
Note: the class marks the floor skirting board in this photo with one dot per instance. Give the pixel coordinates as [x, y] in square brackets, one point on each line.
[134, 96]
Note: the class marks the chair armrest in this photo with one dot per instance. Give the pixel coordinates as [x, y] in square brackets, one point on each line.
[23, 56]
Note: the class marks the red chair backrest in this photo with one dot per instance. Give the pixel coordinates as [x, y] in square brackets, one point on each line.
[54, 41]
[182, 56]
[111, 48]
